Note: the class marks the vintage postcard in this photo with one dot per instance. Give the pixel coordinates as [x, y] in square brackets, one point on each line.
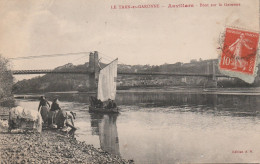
[129, 81]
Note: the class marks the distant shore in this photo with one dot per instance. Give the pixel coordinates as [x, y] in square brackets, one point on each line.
[241, 91]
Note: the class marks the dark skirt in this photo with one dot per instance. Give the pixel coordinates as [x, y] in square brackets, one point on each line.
[52, 117]
[44, 113]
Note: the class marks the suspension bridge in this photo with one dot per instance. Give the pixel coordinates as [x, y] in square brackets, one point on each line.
[93, 70]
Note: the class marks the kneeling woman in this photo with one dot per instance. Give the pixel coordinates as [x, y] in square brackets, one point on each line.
[62, 119]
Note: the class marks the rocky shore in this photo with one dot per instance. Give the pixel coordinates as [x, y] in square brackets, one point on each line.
[51, 146]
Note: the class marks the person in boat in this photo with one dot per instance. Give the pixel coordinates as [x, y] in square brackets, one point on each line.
[53, 111]
[111, 104]
[95, 102]
[99, 104]
[43, 108]
[92, 100]
[114, 104]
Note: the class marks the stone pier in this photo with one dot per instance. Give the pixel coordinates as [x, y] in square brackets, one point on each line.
[94, 69]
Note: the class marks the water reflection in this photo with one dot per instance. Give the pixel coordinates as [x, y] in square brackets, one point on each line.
[104, 125]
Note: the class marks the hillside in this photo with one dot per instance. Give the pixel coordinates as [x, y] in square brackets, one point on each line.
[72, 82]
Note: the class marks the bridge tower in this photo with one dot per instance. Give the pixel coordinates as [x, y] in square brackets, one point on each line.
[94, 70]
[212, 80]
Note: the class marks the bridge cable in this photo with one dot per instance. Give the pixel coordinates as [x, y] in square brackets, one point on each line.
[111, 58]
[53, 55]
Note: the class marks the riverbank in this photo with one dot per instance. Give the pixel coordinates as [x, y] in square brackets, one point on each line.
[51, 146]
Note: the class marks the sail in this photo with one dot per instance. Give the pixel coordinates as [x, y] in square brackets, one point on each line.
[107, 82]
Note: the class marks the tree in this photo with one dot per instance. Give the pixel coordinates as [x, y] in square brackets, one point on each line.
[6, 83]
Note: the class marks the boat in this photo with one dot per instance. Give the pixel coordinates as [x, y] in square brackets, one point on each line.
[106, 90]
[103, 110]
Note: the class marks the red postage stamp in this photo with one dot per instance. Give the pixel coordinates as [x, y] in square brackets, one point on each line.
[239, 53]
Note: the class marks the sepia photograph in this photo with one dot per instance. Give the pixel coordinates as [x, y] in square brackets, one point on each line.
[129, 81]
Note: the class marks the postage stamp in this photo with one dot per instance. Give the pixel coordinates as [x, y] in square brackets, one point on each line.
[239, 54]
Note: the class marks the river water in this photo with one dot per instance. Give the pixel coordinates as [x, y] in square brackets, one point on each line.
[162, 126]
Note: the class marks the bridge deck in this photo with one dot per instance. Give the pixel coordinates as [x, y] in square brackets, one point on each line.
[23, 72]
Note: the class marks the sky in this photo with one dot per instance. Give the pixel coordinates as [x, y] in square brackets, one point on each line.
[136, 36]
